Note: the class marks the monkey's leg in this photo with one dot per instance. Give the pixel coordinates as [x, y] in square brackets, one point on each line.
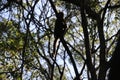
[54, 47]
[57, 46]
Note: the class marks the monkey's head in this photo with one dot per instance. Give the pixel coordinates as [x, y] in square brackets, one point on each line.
[60, 15]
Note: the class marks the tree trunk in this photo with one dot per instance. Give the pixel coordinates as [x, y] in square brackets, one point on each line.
[114, 73]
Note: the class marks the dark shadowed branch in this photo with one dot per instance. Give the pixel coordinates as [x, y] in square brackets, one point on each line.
[71, 58]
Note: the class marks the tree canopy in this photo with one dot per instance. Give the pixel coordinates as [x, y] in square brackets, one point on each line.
[88, 51]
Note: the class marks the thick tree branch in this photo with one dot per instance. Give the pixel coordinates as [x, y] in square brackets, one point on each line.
[115, 62]
[71, 58]
[102, 50]
[54, 8]
[87, 42]
[100, 21]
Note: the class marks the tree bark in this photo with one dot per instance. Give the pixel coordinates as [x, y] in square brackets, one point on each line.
[114, 73]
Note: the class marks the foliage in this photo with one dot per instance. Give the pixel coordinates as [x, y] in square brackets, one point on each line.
[26, 39]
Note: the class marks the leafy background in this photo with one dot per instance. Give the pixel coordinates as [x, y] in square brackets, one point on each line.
[26, 39]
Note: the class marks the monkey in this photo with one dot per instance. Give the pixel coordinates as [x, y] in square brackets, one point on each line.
[59, 30]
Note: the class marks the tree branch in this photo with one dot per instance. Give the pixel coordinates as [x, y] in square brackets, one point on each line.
[92, 14]
[87, 42]
[54, 8]
[115, 62]
[105, 9]
[5, 5]
[71, 57]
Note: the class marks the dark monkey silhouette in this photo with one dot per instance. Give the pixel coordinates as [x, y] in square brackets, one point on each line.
[59, 30]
